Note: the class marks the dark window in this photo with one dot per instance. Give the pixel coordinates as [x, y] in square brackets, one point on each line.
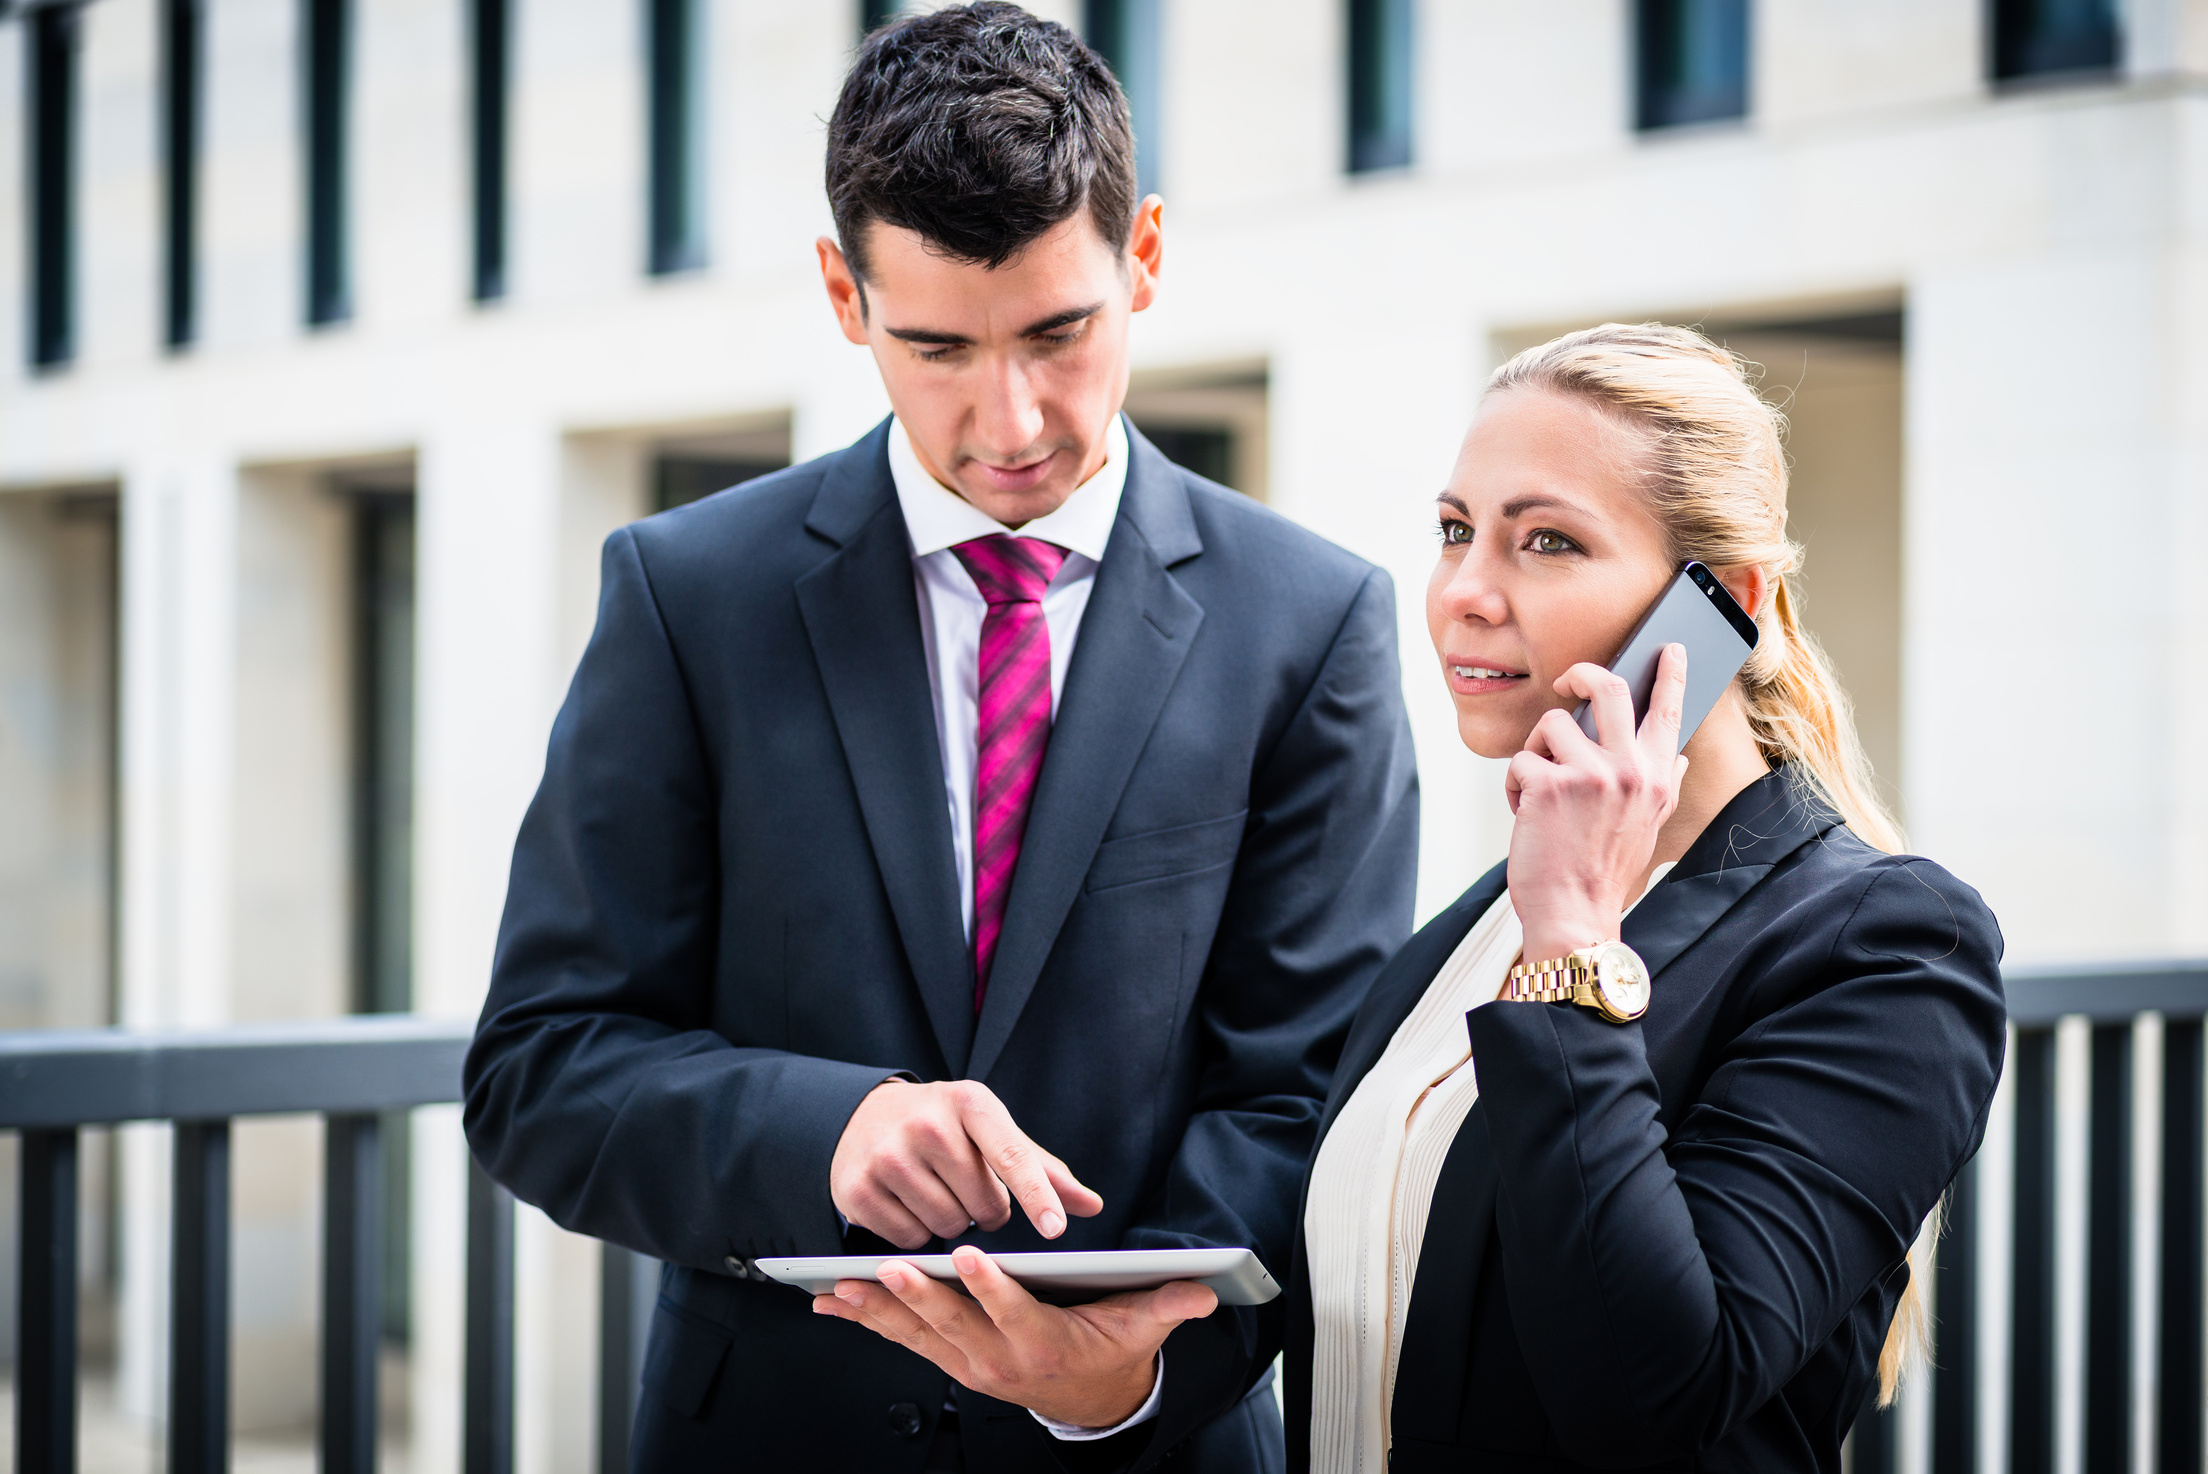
[874, 13]
[679, 480]
[1206, 450]
[677, 143]
[1125, 34]
[182, 25]
[51, 82]
[2034, 37]
[1693, 62]
[327, 24]
[490, 26]
[383, 821]
[1379, 84]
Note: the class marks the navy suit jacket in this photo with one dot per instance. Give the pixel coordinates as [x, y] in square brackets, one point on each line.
[1678, 1243]
[733, 912]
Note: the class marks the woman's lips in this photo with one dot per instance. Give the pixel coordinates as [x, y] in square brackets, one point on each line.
[1471, 678]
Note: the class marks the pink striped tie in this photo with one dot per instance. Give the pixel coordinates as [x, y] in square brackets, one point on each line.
[1014, 720]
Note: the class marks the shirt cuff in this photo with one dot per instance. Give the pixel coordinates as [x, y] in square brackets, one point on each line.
[1075, 1433]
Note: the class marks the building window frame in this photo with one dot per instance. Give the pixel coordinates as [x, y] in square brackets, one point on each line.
[1693, 63]
[326, 57]
[490, 62]
[52, 55]
[1128, 34]
[183, 60]
[1380, 84]
[674, 45]
[2029, 41]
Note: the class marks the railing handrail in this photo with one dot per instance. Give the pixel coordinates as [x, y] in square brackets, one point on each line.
[2107, 992]
[341, 1066]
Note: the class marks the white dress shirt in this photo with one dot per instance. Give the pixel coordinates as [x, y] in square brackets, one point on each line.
[951, 606]
[951, 612]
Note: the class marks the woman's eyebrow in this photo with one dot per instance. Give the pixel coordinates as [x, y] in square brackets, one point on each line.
[1450, 499]
[1519, 506]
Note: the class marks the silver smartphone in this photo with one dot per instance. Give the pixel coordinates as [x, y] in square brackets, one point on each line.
[1695, 611]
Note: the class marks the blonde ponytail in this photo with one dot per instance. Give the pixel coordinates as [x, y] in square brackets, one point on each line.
[1717, 475]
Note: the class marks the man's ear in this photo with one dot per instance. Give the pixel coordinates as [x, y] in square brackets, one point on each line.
[1146, 251]
[845, 294]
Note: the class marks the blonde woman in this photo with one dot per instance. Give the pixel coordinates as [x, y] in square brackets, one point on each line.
[1535, 1238]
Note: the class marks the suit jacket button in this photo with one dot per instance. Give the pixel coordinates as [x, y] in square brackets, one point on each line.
[904, 1419]
[737, 1267]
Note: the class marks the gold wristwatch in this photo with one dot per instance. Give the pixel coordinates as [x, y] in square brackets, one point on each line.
[1609, 978]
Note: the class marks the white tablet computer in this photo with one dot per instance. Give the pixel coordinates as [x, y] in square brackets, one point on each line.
[1235, 1275]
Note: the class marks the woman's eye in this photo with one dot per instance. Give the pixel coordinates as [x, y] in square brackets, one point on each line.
[1455, 534]
[1546, 541]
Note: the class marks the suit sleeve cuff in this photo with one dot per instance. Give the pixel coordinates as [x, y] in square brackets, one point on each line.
[1075, 1433]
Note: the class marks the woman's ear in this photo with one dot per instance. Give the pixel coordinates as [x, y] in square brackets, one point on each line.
[1749, 586]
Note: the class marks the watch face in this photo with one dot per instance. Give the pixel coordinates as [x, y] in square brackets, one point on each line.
[1621, 980]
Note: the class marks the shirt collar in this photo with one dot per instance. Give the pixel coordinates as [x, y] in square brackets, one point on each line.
[937, 517]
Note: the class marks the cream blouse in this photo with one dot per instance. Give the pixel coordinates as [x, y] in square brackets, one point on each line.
[1373, 1186]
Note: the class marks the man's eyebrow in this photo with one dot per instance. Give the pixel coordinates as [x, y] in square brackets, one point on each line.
[928, 335]
[1063, 319]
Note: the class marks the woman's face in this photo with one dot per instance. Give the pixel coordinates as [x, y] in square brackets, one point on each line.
[1549, 556]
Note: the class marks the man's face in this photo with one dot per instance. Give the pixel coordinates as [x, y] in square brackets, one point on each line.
[1005, 379]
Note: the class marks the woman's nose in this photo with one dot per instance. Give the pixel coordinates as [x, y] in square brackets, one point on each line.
[1470, 594]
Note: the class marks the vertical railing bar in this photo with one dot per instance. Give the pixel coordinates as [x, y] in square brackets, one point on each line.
[487, 1430]
[199, 1317]
[46, 1306]
[2178, 1422]
[628, 1288]
[2108, 1255]
[1955, 1332]
[2032, 1325]
[352, 1292]
[617, 1356]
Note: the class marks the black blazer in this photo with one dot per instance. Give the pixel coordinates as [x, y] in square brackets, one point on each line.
[734, 911]
[1678, 1243]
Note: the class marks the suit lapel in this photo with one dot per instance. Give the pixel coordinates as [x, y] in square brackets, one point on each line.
[1135, 633]
[1763, 824]
[862, 615]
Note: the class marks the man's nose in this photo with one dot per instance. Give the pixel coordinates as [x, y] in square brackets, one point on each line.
[1009, 419]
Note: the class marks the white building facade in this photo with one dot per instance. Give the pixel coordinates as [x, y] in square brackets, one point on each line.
[300, 498]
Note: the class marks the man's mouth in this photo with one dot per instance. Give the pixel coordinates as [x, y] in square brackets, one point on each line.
[1013, 478]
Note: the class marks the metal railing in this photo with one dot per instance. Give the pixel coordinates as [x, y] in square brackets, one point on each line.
[2067, 1291]
[53, 1083]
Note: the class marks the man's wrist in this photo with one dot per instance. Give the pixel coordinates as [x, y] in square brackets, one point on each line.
[1143, 1413]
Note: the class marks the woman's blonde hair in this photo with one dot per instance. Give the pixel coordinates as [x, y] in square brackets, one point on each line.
[1717, 476]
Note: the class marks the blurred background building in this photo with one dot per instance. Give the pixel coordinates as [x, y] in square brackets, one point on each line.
[335, 335]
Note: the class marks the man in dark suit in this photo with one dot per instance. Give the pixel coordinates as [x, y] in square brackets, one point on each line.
[990, 814]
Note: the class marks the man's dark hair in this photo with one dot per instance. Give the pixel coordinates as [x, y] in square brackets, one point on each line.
[980, 128]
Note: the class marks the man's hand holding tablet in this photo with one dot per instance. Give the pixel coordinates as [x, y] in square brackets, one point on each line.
[1091, 1365]
[917, 1162]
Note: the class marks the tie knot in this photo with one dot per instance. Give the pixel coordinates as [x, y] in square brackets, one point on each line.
[1011, 570]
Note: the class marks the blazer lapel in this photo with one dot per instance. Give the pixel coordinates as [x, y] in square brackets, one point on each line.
[1135, 634]
[1399, 987]
[862, 615]
[1765, 822]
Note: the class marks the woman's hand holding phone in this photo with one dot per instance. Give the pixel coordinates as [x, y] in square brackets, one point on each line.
[1588, 812]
